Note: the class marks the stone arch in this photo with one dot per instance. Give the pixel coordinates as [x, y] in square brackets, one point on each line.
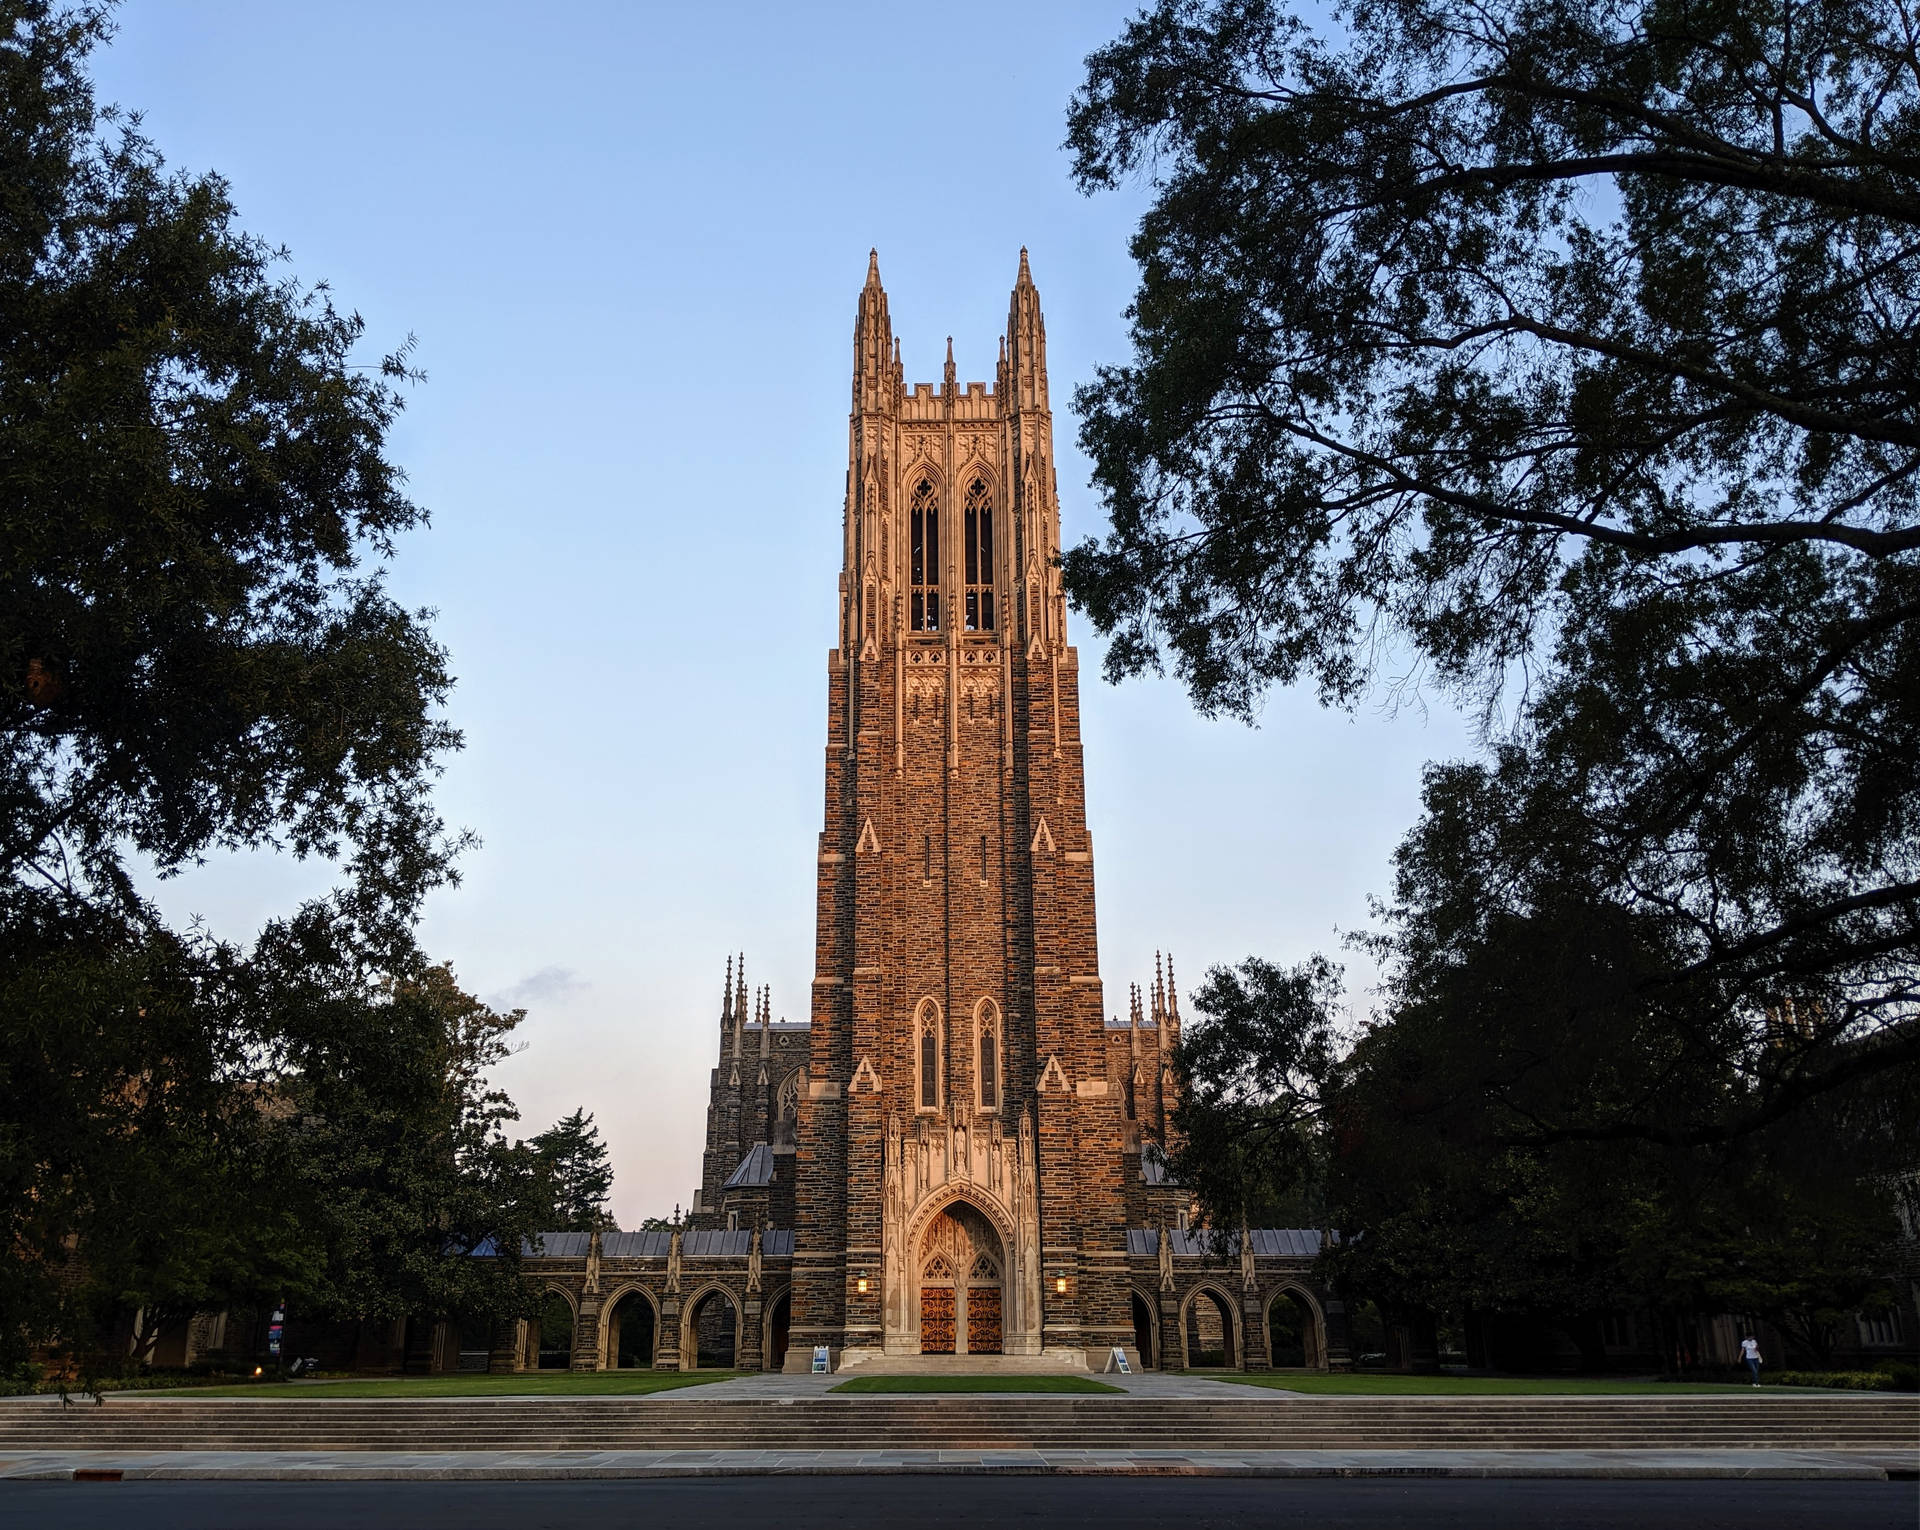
[941, 1199]
[958, 1293]
[1315, 1333]
[1145, 1309]
[541, 1344]
[1223, 1306]
[690, 1311]
[929, 1018]
[775, 1316]
[611, 1342]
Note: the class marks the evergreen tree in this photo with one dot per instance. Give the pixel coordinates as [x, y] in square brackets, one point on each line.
[574, 1161]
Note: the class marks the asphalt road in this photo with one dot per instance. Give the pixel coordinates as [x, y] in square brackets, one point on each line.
[935, 1503]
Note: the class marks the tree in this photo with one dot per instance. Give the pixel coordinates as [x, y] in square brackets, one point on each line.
[197, 654]
[1562, 353]
[574, 1162]
[1254, 1074]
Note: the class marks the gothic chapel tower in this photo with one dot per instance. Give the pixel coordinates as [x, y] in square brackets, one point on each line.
[958, 1188]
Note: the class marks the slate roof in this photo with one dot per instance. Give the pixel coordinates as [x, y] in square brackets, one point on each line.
[755, 1169]
[1279, 1242]
[635, 1245]
[1153, 1169]
[557, 1245]
[775, 1243]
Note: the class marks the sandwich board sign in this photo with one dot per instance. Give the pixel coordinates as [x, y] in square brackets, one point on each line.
[820, 1360]
[1117, 1361]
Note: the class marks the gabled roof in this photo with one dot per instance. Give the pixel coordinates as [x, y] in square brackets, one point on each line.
[1153, 1169]
[755, 1169]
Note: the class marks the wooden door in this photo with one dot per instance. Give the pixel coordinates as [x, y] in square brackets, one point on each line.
[983, 1320]
[936, 1320]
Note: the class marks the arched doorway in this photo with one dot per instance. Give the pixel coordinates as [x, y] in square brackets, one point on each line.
[1143, 1330]
[779, 1314]
[630, 1341]
[1210, 1331]
[714, 1329]
[555, 1341]
[962, 1280]
[1293, 1333]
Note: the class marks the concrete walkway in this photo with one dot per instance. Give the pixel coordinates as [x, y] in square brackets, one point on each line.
[1140, 1384]
[524, 1466]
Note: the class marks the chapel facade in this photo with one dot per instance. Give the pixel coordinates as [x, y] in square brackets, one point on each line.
[945, 1156]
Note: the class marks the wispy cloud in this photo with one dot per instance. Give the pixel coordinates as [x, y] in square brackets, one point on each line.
[546, 986]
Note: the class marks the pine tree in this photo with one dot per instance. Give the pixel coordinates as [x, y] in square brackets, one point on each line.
[575, 1160]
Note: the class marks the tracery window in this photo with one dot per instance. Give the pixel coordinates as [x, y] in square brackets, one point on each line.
[923, 557]
[979, 541]
[786, 1111]
[987, 1053]
[927, 1042]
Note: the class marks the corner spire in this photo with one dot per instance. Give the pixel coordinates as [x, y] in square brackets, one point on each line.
[1026, 342]
[874, 387]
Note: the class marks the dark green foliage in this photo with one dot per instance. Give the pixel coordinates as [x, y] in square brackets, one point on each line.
[196, 654]
[1562, 354]
[1249, 1122]
[573, 1161]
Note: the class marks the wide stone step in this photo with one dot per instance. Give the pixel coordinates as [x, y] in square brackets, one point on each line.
[1261, 1421]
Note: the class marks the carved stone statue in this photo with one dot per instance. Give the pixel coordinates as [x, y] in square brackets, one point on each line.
[1166, 1259]
[673, 1266]
[593, 1263]
[1249, 1281]
[753, 1263]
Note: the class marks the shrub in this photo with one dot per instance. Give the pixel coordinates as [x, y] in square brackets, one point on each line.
[1843, 1381]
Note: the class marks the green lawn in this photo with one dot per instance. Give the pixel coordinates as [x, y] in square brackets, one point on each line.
[973, 1384]
[1351, 1385]
[529, 1384]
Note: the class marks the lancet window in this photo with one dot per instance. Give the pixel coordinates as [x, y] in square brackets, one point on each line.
[927, 1055]
[979, 539]
[923, 558]
[987, 1053]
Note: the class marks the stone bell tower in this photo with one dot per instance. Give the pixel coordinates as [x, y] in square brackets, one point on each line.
[958, 1188]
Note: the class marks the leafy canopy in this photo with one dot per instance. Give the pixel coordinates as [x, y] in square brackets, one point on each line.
[197, 654]
[1562, 352]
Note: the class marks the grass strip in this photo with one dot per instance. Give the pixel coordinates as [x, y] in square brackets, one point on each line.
[526, 1384]
[1470, 1386]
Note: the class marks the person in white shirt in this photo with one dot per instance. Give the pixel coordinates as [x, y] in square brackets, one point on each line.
[1750, 1352]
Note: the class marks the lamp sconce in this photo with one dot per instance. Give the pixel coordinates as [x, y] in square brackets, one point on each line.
[1060, 1285]
[860, 1285]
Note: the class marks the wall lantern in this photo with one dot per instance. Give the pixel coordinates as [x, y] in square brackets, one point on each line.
[861, 1285]
[1060, 1285]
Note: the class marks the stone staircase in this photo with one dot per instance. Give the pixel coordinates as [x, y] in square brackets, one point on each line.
[1879, 1423]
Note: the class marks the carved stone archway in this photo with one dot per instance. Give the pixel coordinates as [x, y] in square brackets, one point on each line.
[959, 1307]
[986, 1165]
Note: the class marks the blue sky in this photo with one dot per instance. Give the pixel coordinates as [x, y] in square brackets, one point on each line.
[629, 239]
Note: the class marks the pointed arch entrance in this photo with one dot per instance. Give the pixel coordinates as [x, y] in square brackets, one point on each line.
[961, 1266]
